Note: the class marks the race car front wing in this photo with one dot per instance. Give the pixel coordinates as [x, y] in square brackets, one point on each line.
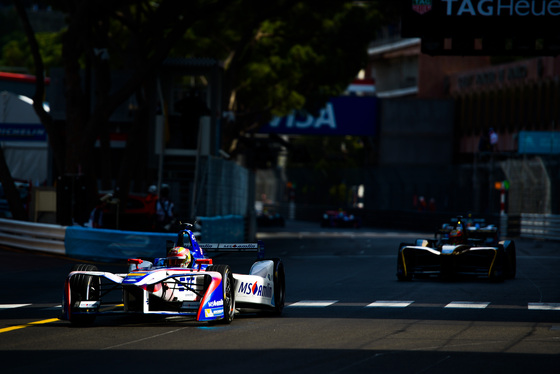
[163, 291]
[450, 260]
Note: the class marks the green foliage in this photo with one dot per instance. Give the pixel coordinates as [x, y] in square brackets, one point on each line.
[309, 57]
[286, 55]
[17, 52]
[51, 49]
[279, 55]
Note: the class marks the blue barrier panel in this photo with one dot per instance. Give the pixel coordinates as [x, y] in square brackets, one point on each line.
[109, 245]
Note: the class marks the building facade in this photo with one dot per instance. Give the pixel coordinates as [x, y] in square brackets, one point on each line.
[518, 100]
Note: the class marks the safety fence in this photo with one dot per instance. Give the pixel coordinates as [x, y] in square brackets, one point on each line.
[109, 245]
[540, 226]
[222, 188]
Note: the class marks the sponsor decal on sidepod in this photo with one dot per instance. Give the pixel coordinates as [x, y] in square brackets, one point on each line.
[254, 289]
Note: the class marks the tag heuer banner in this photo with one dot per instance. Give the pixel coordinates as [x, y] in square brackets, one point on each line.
[480, 18]
[421, 6]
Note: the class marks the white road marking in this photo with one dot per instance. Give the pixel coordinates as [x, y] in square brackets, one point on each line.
[56, 307]
[389, 304]
[374, 304]
[313, 303]
[467, 304]
[544, 306]
[12, 306]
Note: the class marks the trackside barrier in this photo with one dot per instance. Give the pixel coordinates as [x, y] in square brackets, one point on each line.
[540, 226]
[34, 236]
[109, 245]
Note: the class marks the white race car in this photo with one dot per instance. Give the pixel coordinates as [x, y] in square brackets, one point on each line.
[195, 287]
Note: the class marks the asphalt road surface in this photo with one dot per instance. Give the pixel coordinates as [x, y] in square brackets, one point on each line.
[346, 313]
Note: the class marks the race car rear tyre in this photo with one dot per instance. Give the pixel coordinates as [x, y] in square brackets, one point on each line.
[228, 286]
[510, 259]
[83, 288]
[279, 287]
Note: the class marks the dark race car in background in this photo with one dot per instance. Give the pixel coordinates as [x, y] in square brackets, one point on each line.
[269, 217]
[462, 248]
[339, 218]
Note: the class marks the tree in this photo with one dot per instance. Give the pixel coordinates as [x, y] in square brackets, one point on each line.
[151, 29]
[284, 55]
[279, 55]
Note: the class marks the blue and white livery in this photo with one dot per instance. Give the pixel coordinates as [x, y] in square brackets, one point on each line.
[201, 290]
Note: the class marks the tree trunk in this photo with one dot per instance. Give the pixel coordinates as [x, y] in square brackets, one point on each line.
[56, 137]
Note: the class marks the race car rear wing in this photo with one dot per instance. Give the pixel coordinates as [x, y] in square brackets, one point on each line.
[235, 247]
[228, 247]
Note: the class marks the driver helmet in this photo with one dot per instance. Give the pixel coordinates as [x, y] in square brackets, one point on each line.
[179, 257]
[456, 236]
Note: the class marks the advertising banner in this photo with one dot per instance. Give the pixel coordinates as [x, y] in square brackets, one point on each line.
[344, 115]
[22, 132]
[480, 18]
[539, 142]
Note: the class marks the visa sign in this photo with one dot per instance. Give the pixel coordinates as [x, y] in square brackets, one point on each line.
[326, 118]
[344, 115]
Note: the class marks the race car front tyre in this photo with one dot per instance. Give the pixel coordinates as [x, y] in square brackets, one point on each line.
[401, 276]
[498, 269]
[83, 288]
[279, 280]
[228, 285]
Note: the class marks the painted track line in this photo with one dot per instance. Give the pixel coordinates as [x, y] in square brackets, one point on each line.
[314, 303]
[18, 327]
[389, 304]
[544, 306]
[468, 304]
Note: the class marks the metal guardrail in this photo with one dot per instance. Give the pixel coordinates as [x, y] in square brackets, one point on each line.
[540, 226]
[32, 236]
